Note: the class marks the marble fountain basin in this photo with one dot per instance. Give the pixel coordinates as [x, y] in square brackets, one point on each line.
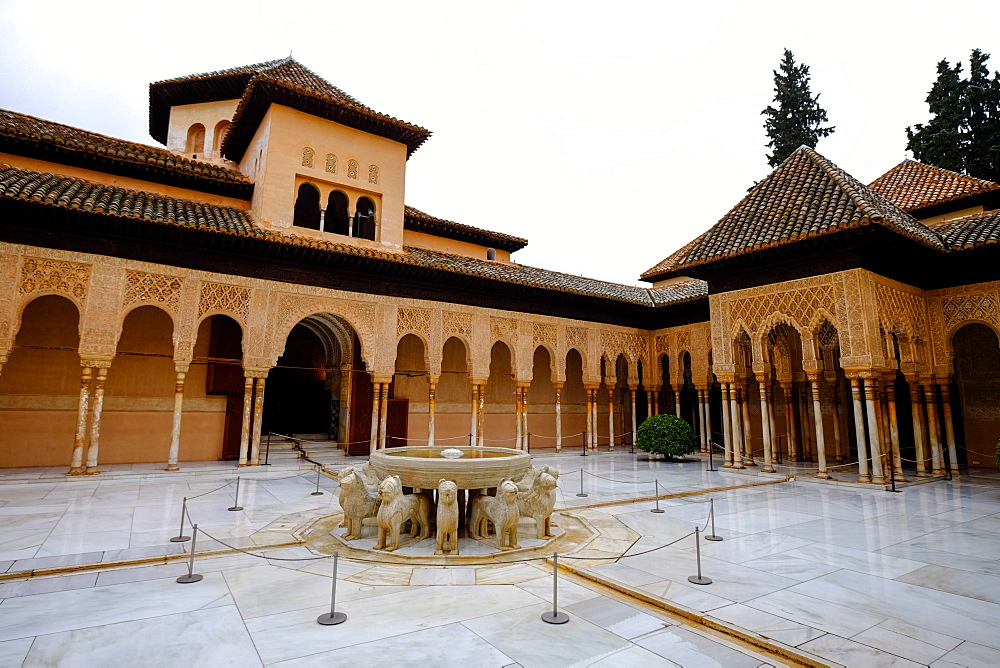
[423, 466]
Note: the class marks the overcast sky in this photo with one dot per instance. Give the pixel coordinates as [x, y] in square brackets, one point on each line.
[609, 134]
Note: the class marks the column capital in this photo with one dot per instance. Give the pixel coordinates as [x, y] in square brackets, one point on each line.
[557, 385]
[814, 375]
[255, 371]
[98, 361]
[479, 381]
[381, 379]
[181, 367]
[433, 378]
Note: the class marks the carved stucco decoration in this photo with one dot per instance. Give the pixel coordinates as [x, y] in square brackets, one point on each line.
[543, 334]
[897, 306]
[156, 289]
[801, 305]
[683, 342]
[43, 275]
[504, 329]
[576, 337]
[977, 306]
[633, 346]
[413, 320]
[457, 324]
[224, 298]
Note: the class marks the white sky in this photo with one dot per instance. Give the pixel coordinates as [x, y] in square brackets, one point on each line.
[608, 134]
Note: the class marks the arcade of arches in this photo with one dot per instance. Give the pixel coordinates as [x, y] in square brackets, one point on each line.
[181, 365]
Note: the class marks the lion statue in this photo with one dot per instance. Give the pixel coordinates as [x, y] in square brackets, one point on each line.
[502, 511]
[396, 510]
[525, 483]
[447, 518]
[538, 502]
[356, 500]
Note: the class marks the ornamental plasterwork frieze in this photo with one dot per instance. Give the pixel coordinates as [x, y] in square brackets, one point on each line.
[415, 320]
[576, 337]
[40, 275]
[801, 305]
[156, 289]
[899, 304]
[633, 346]
[457, 324]
[225, 298]
[543, 334]
[978, 306]
[950, 308]
[503, 329]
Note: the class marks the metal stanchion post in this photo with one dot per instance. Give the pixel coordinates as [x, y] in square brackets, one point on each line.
[236, 501]
[317, 492]
[267, 451]
[180, 537]
[582, 493]
[657, 497]
[711, 515]
[698, 579]
[191, 575]
[555, 617]
[711, 451]
[333, 617]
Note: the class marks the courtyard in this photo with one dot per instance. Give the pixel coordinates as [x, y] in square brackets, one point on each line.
[807, 573]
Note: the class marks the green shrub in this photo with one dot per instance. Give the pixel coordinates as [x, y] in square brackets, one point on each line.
[666, 435]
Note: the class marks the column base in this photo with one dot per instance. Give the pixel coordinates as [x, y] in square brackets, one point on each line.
[864, 479]
[172, 467]
[91, 470]
[939, 472]
[878, 480]
[792, 459]
[899, 477]
[738, 466]
[75, 470]
[558, 449]
[768, 469]
[749, 462]
[955, 472]
[923, 474]
[823, 475]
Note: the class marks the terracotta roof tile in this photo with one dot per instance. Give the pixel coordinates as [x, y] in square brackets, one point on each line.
[88, 196]
[679, 292]
[973, 231]
[37, 133]
[804, 197]
[418, 221]
[912, 185]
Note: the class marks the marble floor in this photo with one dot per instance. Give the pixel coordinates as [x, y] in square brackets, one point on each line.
[848, 575]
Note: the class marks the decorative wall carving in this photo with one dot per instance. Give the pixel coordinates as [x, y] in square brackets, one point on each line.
[683, 341]
[543, 334]
[46, 275]
[633, 346]
[662, 343]
[307, 157]
[457, 324]
[331, 163]
[977, 306]
[223, 297]
[896, 306]
[576, 337]
[417, 320]
[372, 173]
[158, 289]
[352, 169]
[799, 304]
[503, 329]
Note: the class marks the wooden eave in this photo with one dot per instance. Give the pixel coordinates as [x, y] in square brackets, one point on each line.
[167, 94]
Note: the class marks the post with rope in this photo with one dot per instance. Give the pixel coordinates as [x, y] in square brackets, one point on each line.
[711, 517]
[698, 579]
[191, 575]
[317, 492]
[656, 497]
[236, 500]
[333, 617]
[554, 616]
[582, 493]
[180, 537]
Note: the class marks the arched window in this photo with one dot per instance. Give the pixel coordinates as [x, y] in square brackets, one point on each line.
[195, 140]
[220, 133]
[331, 163]
[307, 207]
[307, 157]
[352, 169]
[373, 174]
[364, 219]
[491, 253]
[336, 214]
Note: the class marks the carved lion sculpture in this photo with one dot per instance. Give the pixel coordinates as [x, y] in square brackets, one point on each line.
[396, 510]
[356, 500]
[525, 483]
[538, 502]
[447, 518]
[374, 479]
[502, 511]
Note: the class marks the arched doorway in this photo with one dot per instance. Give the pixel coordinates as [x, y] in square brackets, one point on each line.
[977, 375]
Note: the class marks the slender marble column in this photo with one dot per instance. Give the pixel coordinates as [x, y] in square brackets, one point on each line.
[897, 458]
[859, 431]
[525, 434]
[518, 414]
[727, 430]
[654, 403]
[175, 431]
[633, 418]
[248, 383]
[383, 429]
[474, 426]
[258, 415]
[804, 405]
[376, 397]
[736, 427]
[96, 406]
[611, 417]
[775, 445]
[820, 436]
[919, 441]
[431, 401]
[558, 388]
[649, 402]
[83, 409]
[874, 412]
[792, 445]
[838, 446]
[677, 399]
[481, 415]
[937, 459]
[700, 417]
[593, 407]
[747, 429]
[949, 428]
[589, 438]
[765, 425]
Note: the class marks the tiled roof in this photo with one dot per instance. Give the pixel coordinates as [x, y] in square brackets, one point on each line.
[418, 221]
[56, 191]
[973, 231]
[806, 196]
[912, 185]
[28, 135]
[284, 81]
[87, 196]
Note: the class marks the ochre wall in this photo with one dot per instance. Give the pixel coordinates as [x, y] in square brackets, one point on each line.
[445, 245]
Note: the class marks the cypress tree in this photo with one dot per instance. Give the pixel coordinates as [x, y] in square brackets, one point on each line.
[796, 117]
[963, 133]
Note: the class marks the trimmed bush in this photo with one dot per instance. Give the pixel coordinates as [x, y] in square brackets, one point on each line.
[666, 435]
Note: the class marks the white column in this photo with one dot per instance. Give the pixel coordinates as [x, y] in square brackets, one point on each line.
[83, 410]
[765, 425]
[937, 459]
[474, 426]
[481, 416]
[949, 428]
[258, 415]
[431, 388]
[873, 406]
[677, 400]
[859, 431]
[376, 397]
[792, 443]
[525, 434]
[384, 420]
[896, 457]
[747, 432]
[700, 416]
[247, 415]
[588, 438]
[175, 431]
[558, 388]
[96, 406]
[727, 427]
[611, 418]
[820, 435]
[518, 414]
[917, 412]
[633, 417]
[736, 426]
